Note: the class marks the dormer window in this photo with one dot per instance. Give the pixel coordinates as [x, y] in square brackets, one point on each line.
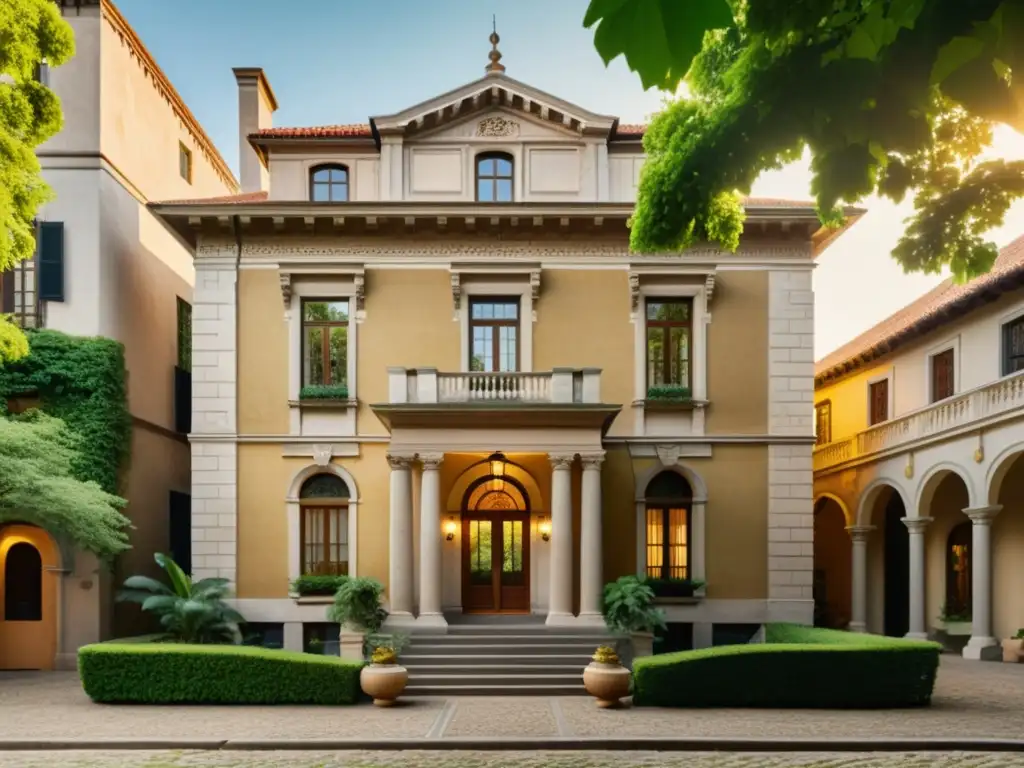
[328, 184]
[494, 178]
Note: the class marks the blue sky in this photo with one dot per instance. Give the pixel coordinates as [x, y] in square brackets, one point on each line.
[340, 61]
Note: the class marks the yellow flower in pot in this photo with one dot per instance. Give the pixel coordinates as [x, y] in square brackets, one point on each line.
[605, 678]
[383, 679]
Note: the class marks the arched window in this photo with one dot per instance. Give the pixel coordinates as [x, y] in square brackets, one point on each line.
[328, 184]
[23, 584]
[323, 543]
[958, 572]
[494, 177]
[669, 502]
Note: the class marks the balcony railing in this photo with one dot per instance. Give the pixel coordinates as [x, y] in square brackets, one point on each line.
[1002, 398]
[429, 386]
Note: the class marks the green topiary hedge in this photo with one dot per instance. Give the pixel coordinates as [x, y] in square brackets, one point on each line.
[797, 666]
[166, 673]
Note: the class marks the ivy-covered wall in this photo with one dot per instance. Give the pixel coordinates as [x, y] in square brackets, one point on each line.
[83, 381]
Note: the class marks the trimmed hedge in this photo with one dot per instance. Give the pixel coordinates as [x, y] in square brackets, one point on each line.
[797, 666]
[170, 673]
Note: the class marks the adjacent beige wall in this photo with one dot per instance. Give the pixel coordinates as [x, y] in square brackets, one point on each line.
[262, 354]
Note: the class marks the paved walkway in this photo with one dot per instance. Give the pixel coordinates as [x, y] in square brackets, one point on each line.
[972, 700]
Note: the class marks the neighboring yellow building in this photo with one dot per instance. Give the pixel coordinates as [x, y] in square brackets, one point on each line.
[422, 342]
[920, 428]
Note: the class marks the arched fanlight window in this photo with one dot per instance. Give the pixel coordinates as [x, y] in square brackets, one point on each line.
[323, 500]
[669, 505]
[494, 177]
[328, 184]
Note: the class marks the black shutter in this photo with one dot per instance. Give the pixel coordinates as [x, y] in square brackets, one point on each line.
[181, 529]
[51, 261]
[182, 400]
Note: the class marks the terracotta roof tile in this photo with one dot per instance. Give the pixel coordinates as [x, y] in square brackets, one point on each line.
[244, 197]
[631, 129]
[351, 130]
[928, 311]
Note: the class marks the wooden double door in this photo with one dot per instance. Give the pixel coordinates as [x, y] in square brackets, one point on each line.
[496, 562]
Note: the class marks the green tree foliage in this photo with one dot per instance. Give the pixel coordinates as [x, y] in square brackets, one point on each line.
[894, 97]
[38, 486]
[190, 611]
[31, 31]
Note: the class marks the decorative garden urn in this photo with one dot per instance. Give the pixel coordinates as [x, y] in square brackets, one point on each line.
[383, 679]
[605, 678]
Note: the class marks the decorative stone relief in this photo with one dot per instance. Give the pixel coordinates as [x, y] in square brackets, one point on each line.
[668, 455]
[456, 292]
[322, 454]
[286, 290]
[535, 284]
[360, 285]
[497, 127]
[634, 291]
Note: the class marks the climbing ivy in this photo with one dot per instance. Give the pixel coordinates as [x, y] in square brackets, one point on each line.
[83, 382]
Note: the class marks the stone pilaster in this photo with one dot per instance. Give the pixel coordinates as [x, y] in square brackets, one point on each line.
[982, 645]
[791, 412]
[916, 526]
[859, 577]
[214, 412]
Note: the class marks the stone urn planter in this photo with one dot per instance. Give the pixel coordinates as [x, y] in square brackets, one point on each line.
[383, 679]
[606, 679]
[1013, 649]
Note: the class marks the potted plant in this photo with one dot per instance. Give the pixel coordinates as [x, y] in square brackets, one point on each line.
[1013, 648]
[383, 679]
[358, 609]
[605, 678]
[629, 610]
[317, 585]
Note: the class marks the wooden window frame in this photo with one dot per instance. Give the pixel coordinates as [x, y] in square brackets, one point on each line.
[1005, 356]
[305, 325]
[666, 345]
[495, 177]
[496, 324]
[819, 438]
[665, 506]
[872, 421]
[330, 185]
[324, 507]
[185, 154]
[932, 359]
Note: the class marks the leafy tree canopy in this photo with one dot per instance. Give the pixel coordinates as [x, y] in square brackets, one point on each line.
[893, 97]
[31, 31]
[37, 486]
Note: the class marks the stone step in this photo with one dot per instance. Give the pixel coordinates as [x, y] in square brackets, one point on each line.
[488, 670]
[505, 689]
[577, 660]
[496, 679]
[473, 649]
[591, 641]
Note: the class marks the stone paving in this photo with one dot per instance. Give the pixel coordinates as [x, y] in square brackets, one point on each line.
[981, 700]
[500, 760]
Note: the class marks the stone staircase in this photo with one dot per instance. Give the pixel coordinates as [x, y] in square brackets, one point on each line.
[500, 659]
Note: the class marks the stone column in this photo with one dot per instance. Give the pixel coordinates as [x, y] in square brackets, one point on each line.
[430, 542]
[981, 646]
[400, 556]
[916, 526]
[591, 541]
[560, 565]
[859, 577]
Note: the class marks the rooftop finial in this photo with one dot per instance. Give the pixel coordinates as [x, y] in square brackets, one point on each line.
[495, 54]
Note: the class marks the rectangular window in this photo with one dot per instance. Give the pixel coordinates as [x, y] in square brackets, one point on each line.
[667, 539]
[823, 423]
[1013, 346]
[878, 399]
[669, 348]
[185, 162]
[325, 540]
[943, 384]
[325, 343]
[50, 253]
[494, 334]
[184, 335]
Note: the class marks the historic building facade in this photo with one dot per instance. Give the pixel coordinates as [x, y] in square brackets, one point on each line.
[424, 353]
[920, 433]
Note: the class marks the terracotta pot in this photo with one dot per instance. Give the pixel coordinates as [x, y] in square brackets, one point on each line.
[1013, 650]
[383, 682]
[606, 682]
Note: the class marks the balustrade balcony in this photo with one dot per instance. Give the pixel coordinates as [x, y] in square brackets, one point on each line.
[428, 386]
[999, 400]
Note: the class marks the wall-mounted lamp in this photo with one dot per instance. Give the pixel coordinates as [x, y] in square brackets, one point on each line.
[544, 526]
[449, 529]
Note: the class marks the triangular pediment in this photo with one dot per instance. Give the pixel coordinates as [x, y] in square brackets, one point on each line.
[490, 123]
[494, 91]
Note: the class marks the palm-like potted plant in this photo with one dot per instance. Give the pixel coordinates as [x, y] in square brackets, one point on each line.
[383, 679]
[1013, 647]
[189, 611]
[359, 610]
[629, 610]
[605, 678]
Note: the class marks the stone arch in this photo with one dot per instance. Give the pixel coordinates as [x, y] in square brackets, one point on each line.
[305, 473]
[697, 484]
[833, 553]
[998, 470]
[294, 514]
[473, 473]
[869, 497]
[930, 482]
[32, 644]
[850, 520]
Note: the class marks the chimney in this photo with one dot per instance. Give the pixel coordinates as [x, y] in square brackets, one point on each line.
[256, 106]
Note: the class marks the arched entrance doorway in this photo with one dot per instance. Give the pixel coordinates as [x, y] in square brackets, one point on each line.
[496, 543]
[28, 598]
[833, 558]
[896, 568]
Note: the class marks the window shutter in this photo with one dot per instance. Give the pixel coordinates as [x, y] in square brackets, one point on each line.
[181, 529]
[51, 261]
[182, 400]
